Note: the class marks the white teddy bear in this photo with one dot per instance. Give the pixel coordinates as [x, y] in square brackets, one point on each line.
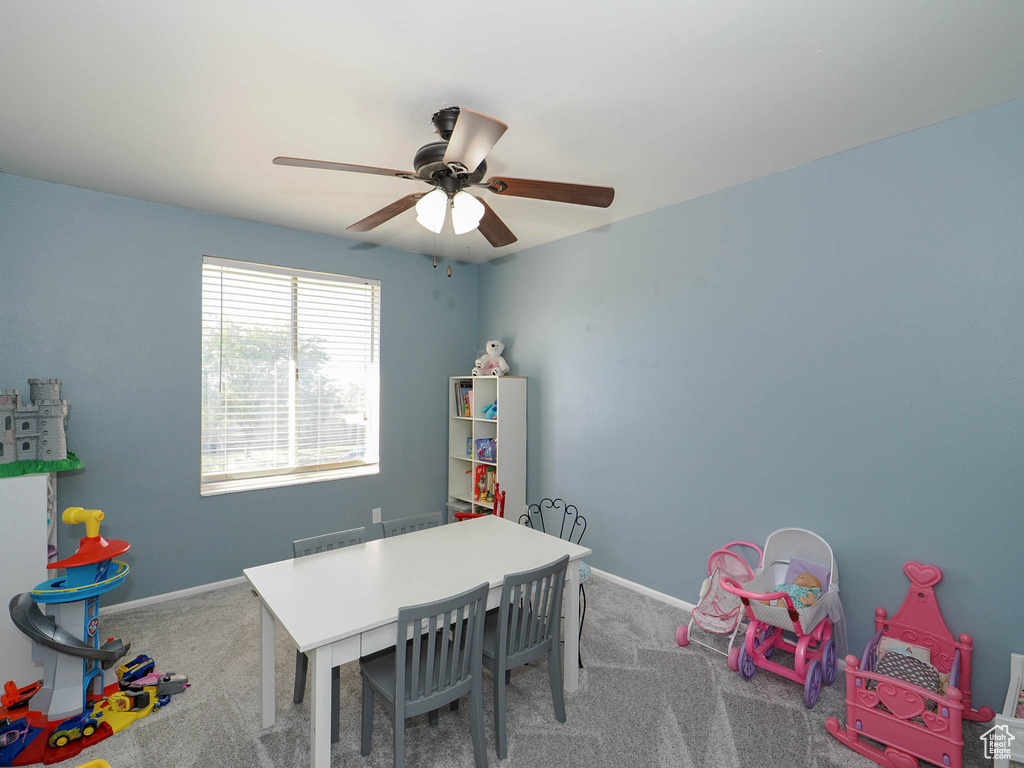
[490, 362]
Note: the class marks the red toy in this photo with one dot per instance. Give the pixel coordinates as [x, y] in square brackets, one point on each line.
[14, 696]
[499, 506]
[910, 721]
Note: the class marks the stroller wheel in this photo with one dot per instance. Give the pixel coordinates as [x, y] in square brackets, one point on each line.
[683, 635]
[812, 685]
[828, 662]
[746, 665]
[734, 659]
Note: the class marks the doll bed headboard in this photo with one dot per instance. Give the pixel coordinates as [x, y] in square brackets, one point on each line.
[919, 621]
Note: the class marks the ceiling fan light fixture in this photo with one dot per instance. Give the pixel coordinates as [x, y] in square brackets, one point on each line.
[466, 213]
[431, 210]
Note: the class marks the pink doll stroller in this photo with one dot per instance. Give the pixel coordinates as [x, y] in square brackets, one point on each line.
[810, 633]
[717, 610]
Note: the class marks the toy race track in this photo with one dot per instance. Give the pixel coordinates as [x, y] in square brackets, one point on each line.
[78, 702]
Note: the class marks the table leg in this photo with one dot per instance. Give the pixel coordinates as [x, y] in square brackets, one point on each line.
[267, 665]
[320, 733]
[570, 668]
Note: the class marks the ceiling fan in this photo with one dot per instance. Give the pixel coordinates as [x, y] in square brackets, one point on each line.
[453, 165]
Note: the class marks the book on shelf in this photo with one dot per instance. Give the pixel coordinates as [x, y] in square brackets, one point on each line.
[463, 397]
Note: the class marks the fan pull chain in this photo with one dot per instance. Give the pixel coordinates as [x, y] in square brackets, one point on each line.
[449, 253]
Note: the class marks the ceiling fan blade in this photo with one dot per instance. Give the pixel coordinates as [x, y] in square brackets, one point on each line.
[474, 136]
[578, 194]
[387, 213]
[493, 228]
[298, 162]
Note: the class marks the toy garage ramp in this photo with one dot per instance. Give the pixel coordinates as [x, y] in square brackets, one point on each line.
[30, 620]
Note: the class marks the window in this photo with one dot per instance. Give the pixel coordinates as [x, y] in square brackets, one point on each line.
[291, 369]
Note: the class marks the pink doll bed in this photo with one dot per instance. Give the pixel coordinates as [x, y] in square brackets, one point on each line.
[911, 722]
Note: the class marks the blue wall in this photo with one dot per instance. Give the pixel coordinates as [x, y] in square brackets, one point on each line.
[104, 292]
[838, 347]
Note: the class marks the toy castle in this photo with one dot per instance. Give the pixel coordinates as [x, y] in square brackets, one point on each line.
[34, 430]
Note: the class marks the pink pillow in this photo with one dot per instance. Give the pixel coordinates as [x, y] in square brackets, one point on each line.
[820, 572]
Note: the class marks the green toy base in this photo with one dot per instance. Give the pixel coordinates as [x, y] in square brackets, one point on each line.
[16, 468]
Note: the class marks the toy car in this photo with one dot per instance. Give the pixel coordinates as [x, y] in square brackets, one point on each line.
[131, 671]
[73, 728]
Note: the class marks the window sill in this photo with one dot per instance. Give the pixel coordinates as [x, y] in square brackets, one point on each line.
[280, 481]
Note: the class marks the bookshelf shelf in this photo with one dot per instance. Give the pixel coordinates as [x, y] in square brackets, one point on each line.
[467, 398]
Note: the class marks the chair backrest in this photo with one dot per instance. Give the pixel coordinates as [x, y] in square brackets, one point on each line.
[530, 612]
[563, 520]
[453, 659]
[410, 524]
[328, 541]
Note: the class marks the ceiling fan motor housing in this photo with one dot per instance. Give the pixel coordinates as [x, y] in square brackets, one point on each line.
[428, 162]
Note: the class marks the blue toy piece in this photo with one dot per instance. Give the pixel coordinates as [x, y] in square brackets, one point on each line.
[491, 411]
[12, 732]
[138, 667]
[14, 737]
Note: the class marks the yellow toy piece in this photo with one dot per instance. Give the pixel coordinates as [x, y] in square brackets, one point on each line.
[121, 709]
[95, 764]
[91, 518]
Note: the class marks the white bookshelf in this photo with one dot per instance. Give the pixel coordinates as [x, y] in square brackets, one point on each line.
[23, 512]
[509, 429]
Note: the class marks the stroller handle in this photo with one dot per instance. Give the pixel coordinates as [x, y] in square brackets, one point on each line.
[730, 584]
[760, 552]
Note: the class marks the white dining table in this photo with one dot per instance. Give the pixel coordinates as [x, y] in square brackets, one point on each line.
[337, 606]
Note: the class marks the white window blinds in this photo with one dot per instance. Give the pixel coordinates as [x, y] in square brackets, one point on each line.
[290, 374]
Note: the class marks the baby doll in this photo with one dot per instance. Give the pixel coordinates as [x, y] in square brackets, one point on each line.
[805, 591]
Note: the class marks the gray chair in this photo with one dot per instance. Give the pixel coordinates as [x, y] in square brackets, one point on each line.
[526, 626]
[410, 524]
[311, 546]
[436, 668]
[328, 541]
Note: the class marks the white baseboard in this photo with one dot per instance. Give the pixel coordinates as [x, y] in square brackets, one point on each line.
[144, 601]
[661, 596]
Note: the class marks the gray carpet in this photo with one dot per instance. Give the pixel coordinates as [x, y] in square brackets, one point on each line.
[643, 701]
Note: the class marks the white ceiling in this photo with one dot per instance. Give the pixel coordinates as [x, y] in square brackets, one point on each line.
[187, 102]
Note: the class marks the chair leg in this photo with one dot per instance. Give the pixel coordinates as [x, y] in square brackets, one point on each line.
[433, 716]
[367, 722]
[476, 722]
[583, 615]
[335, 704]
[399, 742]
[555, 673]
[500, 736]
[301, 663]
[454, 706]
